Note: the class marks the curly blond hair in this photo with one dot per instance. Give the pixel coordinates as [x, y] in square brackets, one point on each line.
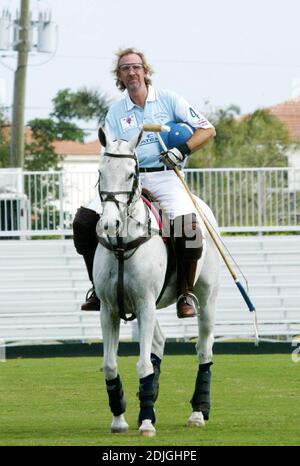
[121, 53]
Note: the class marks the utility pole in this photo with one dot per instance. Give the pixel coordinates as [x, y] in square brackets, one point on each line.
[17, 136]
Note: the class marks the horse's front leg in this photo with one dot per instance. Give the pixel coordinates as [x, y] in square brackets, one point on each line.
[201, 397]
[147, 321]
[110, 331]
[157, 352]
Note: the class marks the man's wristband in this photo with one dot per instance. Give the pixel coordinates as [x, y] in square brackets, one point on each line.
[184, 149]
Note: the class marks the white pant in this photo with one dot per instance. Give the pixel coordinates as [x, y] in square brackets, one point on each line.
[167, 188]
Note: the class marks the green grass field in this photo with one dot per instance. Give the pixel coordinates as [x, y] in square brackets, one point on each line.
[62, 401]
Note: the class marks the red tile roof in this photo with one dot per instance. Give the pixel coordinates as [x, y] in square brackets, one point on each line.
[75, 148]
[289, 113]
[64, 147]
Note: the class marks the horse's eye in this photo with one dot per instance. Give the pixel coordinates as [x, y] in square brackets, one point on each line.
[130, 176]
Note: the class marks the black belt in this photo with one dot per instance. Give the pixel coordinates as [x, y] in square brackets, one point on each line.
[153, 169]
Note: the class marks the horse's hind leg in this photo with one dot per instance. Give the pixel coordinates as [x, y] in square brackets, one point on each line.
[117, 402]
[201, 397]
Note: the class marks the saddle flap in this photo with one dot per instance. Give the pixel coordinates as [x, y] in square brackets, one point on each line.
[160, 216]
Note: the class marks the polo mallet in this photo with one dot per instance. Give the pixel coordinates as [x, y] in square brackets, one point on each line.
[157, 129]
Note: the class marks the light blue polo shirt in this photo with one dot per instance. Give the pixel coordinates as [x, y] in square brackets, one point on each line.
[124, 118]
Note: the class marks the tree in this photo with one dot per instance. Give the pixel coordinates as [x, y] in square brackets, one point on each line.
[4, 143]
[84, 104]
[256, 140]
[62, 124]
[39, 153]
[68, 106]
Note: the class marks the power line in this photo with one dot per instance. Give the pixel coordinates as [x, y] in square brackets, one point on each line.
[185, 61]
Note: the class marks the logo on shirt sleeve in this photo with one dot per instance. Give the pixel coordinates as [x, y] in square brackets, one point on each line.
[128, 122]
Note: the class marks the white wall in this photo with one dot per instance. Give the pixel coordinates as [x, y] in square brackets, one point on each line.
[80, 190]
[294, 161]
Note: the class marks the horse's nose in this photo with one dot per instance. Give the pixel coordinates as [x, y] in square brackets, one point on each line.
[111, 228]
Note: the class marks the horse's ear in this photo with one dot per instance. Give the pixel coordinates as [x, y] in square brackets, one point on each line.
[135, 141]
[102, 137]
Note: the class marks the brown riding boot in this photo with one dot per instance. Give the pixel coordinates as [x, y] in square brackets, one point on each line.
[188, 248]
[92, 302]
[187, 302]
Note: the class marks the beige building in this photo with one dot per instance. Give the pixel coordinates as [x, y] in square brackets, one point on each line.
[79, 157]
[80, 165]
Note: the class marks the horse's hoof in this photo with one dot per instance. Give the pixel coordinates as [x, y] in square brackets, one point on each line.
[119, 430]
[119, 425]
[196, 419]
[147, 429]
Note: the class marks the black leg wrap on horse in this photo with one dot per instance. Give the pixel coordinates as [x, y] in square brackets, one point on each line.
[146, 397]
[201, 397]
[117, 402]
[156, 367]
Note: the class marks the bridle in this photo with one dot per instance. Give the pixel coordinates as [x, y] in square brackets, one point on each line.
[110, 196]
[120, 248]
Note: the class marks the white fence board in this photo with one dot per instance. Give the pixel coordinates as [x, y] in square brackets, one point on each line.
[40, 300]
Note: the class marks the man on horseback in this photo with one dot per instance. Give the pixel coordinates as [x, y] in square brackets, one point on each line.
[143, 104]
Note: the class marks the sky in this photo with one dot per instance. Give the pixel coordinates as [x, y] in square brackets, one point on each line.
[215, 53]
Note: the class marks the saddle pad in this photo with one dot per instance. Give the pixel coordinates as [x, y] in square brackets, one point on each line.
[151, 203]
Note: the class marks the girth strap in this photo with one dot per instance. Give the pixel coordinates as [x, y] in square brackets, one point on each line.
[120, 287]
[119, 250]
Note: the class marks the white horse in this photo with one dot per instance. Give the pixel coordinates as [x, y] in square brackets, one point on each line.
[129, 272]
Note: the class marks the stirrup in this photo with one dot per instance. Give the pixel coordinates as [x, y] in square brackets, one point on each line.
[187, 309]
[92, 302]
[90, 293]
